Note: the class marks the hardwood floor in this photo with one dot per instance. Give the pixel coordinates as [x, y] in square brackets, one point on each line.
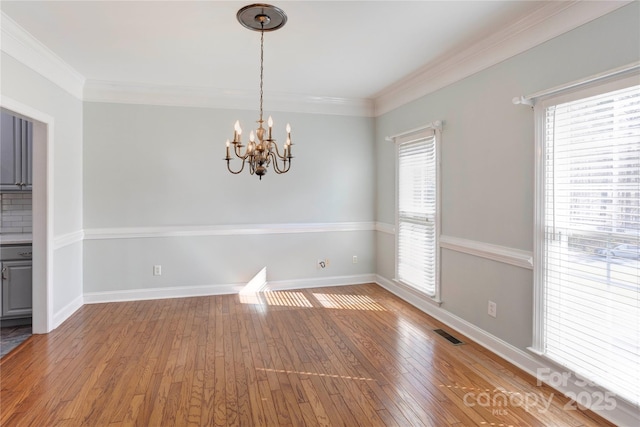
[340, 356]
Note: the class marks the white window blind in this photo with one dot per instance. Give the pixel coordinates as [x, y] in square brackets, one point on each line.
[417, 255]
[591, 249]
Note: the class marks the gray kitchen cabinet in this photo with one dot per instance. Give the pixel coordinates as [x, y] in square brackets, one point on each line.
[16, 288]
[16, 155]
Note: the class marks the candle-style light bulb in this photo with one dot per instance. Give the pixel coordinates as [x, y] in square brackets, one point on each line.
[288, 128]
[228, 150]
[270, 122]
[252, 137]
[237, 131]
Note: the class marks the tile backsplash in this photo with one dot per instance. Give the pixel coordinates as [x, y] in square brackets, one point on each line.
[16, 209]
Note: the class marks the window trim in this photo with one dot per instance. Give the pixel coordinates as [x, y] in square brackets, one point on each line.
[433, 129]
[556, 97]
[540, 104]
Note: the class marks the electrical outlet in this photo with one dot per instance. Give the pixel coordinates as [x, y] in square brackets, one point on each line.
[492, 309]
[157, 270]
[322, 263]
[355, 259]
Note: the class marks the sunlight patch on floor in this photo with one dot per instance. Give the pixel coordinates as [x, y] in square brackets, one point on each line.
[283, 371]
[250, 293]
[256, 292]
[286, 299]
[348, 302]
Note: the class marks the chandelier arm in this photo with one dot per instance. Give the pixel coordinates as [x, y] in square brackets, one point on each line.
[281, 171]
[273, 160]
[236, 151]
[235, 173]
[281, 157]
[244, 156]
[276, 166]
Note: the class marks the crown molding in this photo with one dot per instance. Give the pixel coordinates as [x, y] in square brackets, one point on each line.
[187, 96]
[25, 48]
[21, 45]
[550, 20]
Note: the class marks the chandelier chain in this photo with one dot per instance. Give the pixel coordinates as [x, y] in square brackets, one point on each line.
[261, 68]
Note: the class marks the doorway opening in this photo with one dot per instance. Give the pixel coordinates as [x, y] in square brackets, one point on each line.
[42, 208]
[16, 184]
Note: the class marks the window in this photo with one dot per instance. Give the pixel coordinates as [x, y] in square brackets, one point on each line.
[588, 232]
[417, 210]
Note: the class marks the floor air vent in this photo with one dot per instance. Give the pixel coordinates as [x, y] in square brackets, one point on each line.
[453, 340]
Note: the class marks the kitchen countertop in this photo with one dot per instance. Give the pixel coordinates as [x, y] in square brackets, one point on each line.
[15, 238]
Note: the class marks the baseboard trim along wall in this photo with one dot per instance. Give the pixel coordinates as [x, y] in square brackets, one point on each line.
[624, 414]
[63, 314]
[223, 289]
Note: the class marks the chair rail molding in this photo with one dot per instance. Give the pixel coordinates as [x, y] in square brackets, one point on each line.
[63, 240]
[517, 257]
[223, 230]
[384, 227]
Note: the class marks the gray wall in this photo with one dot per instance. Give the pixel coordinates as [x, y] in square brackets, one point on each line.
[487, 166]
[155, 166]
[31, 89]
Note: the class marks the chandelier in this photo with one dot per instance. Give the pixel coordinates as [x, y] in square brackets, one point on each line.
[262, 150]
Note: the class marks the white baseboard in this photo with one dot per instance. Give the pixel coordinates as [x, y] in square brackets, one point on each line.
[223, 289]
[160, 293]
[66, 312]
[282, 285]
[624, 414]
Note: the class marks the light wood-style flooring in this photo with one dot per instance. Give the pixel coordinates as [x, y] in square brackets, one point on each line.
[339, 356]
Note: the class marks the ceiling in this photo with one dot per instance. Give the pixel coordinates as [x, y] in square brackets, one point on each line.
[331, 49]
